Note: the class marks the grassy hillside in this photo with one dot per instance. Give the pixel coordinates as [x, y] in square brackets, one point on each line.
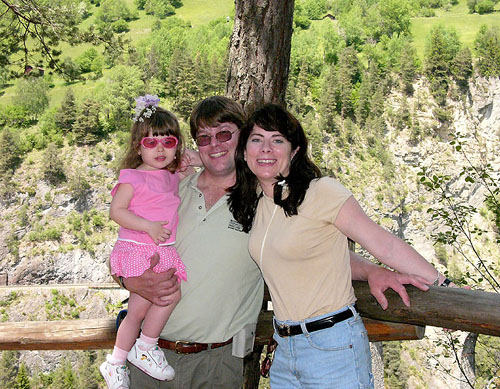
[458, 17]
[202, 11]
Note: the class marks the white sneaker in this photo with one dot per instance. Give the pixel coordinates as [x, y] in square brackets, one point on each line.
[116, 376]
[152, 361]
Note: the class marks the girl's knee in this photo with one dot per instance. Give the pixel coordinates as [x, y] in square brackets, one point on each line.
[134, 319]
[176, 297]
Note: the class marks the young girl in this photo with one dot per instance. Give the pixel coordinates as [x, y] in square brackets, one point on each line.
[144, 204]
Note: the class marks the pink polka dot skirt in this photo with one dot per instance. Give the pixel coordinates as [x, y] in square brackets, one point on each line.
[130, 259]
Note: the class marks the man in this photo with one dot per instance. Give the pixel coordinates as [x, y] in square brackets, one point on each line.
[224, 289]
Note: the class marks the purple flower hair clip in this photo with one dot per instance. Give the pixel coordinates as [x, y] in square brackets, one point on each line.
[148, 104]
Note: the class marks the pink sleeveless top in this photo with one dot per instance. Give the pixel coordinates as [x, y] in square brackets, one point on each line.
[155, 198]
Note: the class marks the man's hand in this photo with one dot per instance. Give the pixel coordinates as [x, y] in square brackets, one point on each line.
[381, 279]
[155, 287]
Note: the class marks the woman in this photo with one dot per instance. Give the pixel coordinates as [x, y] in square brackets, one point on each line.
[299, 224]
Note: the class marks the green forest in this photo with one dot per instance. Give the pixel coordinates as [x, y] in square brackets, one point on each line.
[70, 71]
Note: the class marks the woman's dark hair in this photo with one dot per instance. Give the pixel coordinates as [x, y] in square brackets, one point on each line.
[243, 196]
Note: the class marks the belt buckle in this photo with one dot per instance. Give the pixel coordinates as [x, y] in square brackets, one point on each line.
[286, 329]
[182, 342]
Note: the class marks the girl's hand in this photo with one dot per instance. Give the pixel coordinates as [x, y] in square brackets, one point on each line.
[190, 158]
[157, 232]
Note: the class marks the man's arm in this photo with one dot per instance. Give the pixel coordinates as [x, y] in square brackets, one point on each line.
[380, 279]
[155, 287]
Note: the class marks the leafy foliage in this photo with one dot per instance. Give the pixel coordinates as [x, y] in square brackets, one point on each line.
[116, 98]
[31, 94]
[441, 50]
[487, 45]
[22, 379]
[10, 157]
[112, 10]
[395, 373]
[456, 215]
[87, 127]
[52, 167]
[15, 116]
[33, 29]
[65, 116]
[9, 365]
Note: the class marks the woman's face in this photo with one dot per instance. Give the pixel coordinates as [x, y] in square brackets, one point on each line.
[268, 154]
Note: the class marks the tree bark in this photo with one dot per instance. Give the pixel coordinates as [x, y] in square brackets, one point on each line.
[468, 361]
[259, 52]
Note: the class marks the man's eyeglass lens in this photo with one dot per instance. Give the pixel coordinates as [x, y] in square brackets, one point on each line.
[169, 142]
[221, 136]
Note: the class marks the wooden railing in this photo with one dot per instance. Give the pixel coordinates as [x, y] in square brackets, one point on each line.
[460, 309]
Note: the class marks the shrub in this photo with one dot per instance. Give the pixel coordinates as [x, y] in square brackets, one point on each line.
[485, 6]
[10, 155]
[15, 116]
[65, 116]
[471, 4]
[42, 234]
[70, 70]
[31, 93]
[52, 167]
[487, 45]
[120, 26]
[84, 61]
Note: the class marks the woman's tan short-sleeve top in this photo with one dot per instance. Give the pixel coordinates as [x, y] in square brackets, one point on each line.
[304, 258]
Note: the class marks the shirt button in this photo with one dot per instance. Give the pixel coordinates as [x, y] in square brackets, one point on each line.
[200, 195]
[199, 207]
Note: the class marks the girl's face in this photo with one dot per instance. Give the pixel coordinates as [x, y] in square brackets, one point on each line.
[159, 156]
[268, 154]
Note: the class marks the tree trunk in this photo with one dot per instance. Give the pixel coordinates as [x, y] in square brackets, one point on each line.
[259, 52]
[468, 361]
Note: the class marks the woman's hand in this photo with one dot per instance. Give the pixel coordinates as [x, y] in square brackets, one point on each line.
[381, 279]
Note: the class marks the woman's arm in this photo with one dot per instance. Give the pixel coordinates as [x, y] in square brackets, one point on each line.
[386, 247]
[119, 213]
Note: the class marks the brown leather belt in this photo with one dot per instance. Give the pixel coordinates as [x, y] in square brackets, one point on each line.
[183, 347]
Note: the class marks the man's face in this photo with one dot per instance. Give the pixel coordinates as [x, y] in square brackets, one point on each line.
[216, 150]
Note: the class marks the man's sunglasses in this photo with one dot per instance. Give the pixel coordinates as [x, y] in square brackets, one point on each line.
[169, 142]
[221, 136]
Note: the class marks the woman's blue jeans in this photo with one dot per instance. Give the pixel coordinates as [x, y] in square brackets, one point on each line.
[335, 357]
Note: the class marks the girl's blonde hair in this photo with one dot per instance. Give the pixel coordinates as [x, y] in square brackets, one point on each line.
[160, 123]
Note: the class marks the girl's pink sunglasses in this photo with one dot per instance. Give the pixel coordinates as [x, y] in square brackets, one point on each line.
[169, 142]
